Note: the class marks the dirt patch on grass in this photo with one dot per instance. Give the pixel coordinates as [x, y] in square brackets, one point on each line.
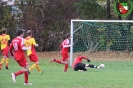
[101, 55]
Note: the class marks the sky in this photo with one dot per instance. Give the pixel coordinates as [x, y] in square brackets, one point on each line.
[9, 2]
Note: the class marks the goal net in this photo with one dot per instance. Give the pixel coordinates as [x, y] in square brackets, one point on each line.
[101, 39]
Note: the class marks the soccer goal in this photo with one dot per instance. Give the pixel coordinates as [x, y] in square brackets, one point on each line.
[101, 39]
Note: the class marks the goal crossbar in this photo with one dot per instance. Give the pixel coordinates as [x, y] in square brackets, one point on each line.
[102, 21]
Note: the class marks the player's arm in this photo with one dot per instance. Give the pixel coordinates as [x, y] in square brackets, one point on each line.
[34, 43]
[23, 47]
[83, 57]
[67, 44]
[61, 45]
[9, 41]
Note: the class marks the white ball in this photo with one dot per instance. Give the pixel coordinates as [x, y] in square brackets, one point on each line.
[102, 65]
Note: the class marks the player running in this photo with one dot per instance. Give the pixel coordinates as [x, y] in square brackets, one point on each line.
[65, 45]
[78, 65]
[30, 42]
[4, 39]
[17, 51]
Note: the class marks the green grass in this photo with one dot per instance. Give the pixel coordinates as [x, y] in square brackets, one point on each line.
[116, 74]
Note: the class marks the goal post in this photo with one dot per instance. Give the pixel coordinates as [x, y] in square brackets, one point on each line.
[112, 33]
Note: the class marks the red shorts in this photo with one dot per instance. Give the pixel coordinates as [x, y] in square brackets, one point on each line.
[33, 57]
[5, 51]
[22, 62]
[64, 56]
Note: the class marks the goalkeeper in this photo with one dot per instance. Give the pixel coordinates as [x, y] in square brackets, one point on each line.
[78, 65]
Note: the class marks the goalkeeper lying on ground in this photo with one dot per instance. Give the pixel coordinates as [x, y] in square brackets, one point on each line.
[78, 65]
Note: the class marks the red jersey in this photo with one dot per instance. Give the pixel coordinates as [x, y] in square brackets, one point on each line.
[65, 46]
[78, 60]
[17, 45]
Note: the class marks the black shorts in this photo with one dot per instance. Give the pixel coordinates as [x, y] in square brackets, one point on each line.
[80, 66]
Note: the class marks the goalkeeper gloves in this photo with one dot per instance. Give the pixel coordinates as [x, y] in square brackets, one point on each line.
[88, 60]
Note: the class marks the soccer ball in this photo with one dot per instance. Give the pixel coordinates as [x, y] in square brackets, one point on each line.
[102, 65]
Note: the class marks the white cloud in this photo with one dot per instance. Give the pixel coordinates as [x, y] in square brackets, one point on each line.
[9, 2]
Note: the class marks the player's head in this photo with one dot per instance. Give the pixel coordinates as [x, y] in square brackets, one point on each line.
[68, 36]
[29, 33]
[20, 32]
[4, 30]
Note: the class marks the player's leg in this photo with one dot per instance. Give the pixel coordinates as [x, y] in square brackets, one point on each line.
[81, 67]
[15, 74]
[26, 82]
[2, 61]
[60, 61]
[23, 63]
[91, 65]
[38, 68]
[77, 67]
[65, 61]
[32, 67]
[6, 56]
[56, 60]
[32, 60]
[23, 71]
[7, 62]
[65, 65]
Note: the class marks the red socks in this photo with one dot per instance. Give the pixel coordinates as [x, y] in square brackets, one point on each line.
[57, 61]
[19, 73]
[26, 77]
[65, 68]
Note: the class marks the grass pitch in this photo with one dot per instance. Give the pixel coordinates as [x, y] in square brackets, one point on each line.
[116, 74]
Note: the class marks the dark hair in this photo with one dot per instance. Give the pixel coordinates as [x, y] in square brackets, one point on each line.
[29, 32]
[3, 30]
[68, 35]
[19, 32]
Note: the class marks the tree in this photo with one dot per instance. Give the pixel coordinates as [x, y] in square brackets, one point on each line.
[6, 19]
[5, 14]
[48, 19]
[90, 9]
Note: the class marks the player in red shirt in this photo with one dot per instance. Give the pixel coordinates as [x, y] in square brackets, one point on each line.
[30, 41]
[17, 51]
[65, 45]
[4, 40]
[78, 65]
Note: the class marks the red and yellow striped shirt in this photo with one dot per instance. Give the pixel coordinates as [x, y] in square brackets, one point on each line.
[4, 38]
[30, 42]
